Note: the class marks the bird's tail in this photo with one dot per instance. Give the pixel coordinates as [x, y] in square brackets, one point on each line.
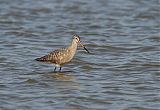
[41, 59]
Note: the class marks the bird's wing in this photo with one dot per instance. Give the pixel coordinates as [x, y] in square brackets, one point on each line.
[53, 56]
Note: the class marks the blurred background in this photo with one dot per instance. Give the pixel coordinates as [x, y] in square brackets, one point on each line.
[123, 73]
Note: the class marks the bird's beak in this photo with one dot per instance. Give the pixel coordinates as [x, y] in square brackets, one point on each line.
[83, 47]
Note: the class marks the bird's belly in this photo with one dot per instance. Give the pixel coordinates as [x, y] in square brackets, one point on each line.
[66, 58]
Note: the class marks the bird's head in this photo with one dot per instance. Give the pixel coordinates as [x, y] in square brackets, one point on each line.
[77, 39]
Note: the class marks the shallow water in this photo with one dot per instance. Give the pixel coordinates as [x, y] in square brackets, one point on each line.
[122, 73]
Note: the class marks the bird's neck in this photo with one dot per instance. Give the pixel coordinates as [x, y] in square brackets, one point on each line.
[73, 45]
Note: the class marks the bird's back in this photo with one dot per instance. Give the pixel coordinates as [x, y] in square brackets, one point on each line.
[59, 56]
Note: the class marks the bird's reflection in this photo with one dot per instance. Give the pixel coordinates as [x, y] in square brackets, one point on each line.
[64, 79]
[62, 76]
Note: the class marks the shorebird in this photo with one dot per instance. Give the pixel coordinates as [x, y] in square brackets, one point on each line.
[62, 56]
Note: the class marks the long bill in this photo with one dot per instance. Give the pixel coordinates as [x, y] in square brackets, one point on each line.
[83, 47]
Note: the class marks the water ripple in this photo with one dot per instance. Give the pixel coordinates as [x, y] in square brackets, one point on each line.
[121, 73]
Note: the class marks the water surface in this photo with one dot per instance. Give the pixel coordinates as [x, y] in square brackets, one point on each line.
[123, 73]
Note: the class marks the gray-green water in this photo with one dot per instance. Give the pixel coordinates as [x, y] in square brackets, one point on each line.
[122, 74]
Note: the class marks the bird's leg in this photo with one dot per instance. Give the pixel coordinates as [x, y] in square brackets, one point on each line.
[55, 69]
[60, 69]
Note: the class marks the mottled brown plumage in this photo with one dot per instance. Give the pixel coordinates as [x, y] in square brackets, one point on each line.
[62, 56]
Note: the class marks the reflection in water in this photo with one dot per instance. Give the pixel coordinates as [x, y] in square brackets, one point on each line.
[62, 76]
[63, 79]
[31, 81]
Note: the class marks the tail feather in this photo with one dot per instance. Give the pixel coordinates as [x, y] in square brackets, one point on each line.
[41, 59]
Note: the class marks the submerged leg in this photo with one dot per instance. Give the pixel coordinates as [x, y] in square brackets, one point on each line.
[60, 68]
[55, 69]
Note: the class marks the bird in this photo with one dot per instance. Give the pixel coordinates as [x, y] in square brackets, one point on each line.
[61, 56]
